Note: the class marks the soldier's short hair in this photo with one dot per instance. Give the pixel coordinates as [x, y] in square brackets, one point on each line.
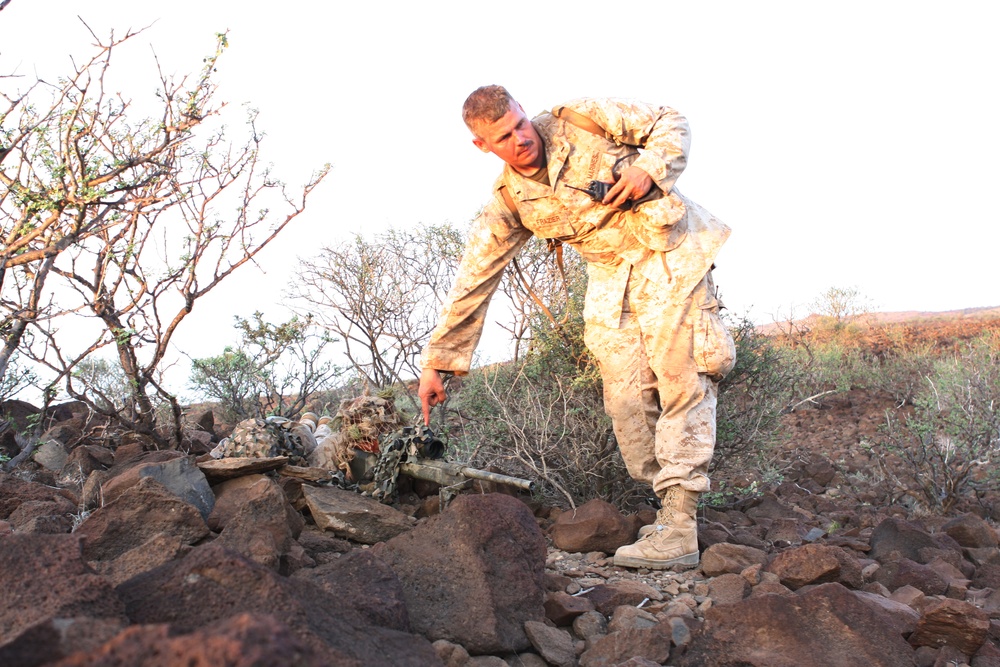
[486, 104]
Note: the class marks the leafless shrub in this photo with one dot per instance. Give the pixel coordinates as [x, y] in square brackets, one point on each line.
[381, 297]
[544, 429]
[543, 286]
[752, 397]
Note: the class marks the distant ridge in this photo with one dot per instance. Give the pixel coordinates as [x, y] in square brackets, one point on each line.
[981, 313]
[987, 312]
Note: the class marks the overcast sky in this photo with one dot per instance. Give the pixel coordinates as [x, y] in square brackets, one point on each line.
[848, 144]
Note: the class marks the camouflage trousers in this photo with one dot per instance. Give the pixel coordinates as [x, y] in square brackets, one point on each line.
[661, 369]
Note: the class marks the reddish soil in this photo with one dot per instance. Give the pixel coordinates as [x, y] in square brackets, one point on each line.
[837, 425]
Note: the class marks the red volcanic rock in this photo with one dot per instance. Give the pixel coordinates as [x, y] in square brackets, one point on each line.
[791, 631]
[47, 584]
[243, 640]
[140, 513]
[212, 583]
[473, 574]
[594, 526]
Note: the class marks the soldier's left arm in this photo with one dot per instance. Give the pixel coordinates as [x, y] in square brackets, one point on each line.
[660, 131]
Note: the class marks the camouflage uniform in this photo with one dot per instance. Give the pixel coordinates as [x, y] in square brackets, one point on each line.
[263, 438]
[651, 314]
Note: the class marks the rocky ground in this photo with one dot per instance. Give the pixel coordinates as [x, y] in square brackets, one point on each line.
[130, 556]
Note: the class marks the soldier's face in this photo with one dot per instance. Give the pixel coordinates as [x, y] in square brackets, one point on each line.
[513, 139]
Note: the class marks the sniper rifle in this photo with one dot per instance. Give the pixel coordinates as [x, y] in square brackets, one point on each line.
[415, 452]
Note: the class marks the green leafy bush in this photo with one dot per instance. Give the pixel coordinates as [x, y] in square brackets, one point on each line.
[948, 448]
[275, 370]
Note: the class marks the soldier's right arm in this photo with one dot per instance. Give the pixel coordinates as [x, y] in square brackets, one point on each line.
[494, 239]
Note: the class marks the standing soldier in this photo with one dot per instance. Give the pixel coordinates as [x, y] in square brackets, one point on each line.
[599, 174]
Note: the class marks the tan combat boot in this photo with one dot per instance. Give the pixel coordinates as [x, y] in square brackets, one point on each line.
[673, 540]
[670, 498]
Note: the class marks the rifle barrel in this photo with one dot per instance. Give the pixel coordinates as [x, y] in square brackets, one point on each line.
[451, 473]
[488, 476]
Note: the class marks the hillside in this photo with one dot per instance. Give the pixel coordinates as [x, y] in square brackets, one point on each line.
[826, 543]
[910, 317]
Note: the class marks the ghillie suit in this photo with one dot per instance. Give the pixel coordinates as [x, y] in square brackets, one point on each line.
[409, 444]
[360, 423]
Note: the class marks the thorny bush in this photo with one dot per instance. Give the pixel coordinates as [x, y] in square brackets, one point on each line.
[543, 417]
[751, 398]
[116, 222]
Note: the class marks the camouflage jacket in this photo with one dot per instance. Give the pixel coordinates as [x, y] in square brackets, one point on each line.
[666, 237]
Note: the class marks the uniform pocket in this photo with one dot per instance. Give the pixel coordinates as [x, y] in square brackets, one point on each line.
[659, 223]
[546, 217]
[713, 346]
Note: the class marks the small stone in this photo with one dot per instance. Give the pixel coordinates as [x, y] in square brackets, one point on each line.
[724, 557]
[452, 655]
[627, 616]
[561, 608]
[752, 574]
[680, 633]
[526, 660]
[952, 622]
[590, 624]
[728, 588]
[553, 644]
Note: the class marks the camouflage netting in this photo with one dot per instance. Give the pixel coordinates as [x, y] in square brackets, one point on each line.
[409, 443]
[360, 423]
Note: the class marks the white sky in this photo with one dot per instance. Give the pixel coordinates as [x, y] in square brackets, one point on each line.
[847, 144]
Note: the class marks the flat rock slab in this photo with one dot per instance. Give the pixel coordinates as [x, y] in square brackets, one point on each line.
[307, 474]
[354, 516]
[219, 470]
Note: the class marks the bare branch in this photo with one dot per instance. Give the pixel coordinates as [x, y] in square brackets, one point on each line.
[381, 297]
[133, 217]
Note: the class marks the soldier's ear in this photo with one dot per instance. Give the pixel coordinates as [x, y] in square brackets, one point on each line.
[481, 145]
